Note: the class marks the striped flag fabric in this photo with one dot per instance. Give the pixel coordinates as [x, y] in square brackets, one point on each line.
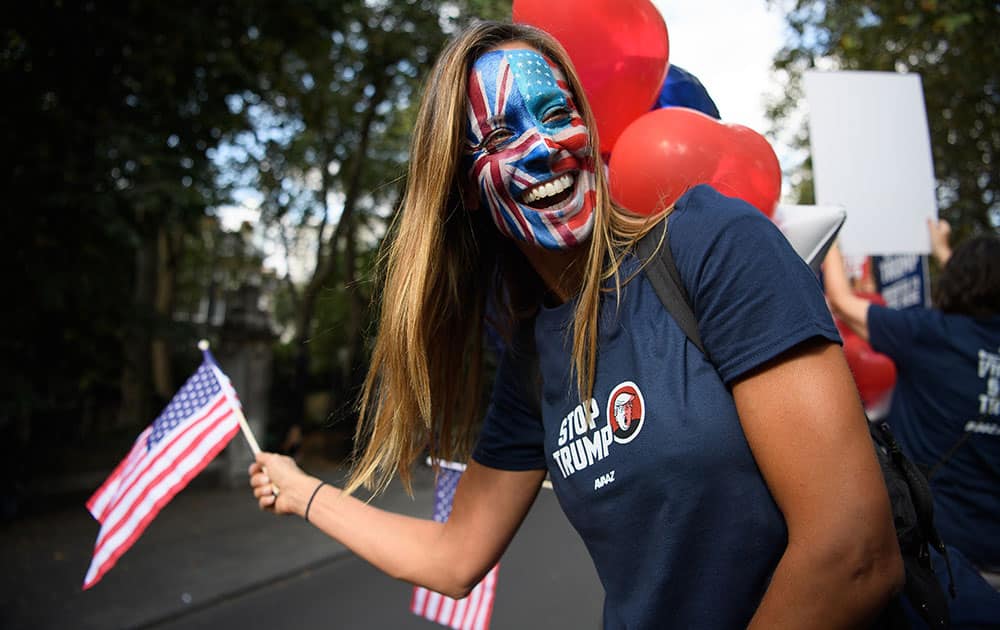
[201, 418]
[474, 611]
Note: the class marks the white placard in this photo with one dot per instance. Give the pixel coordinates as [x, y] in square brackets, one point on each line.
[871, 154]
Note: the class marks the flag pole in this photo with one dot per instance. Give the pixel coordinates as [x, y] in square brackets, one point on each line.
[247, 433]
[203, 345]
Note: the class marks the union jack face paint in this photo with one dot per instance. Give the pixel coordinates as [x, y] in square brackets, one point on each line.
[528, 150]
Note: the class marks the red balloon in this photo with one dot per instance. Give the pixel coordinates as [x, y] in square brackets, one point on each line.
[667, 151]
[749, 169]
[619, 48]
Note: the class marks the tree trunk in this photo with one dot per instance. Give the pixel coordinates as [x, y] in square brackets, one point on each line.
[135, 377]
[167, 243]
[326, 261]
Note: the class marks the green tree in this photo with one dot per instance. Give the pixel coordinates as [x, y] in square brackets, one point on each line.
[111, 116]
[327, 158]
[128, 126]
[952, 44]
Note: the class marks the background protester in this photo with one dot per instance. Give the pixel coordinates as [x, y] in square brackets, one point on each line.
[945, 409]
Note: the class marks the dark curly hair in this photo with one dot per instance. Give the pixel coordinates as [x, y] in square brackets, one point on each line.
[970, 282]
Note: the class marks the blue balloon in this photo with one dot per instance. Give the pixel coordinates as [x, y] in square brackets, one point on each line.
[683, 89]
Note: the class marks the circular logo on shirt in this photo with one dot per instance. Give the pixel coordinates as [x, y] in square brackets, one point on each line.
[626, 412]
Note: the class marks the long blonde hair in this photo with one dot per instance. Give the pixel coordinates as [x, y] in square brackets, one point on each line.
[439, 262]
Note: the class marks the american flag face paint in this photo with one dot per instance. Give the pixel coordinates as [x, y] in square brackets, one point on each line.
[528, 150]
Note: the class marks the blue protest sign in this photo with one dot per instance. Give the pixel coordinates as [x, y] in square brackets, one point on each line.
[902, 280]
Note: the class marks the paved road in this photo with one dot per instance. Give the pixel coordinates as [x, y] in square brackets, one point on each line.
[545, 582]
[211, 560]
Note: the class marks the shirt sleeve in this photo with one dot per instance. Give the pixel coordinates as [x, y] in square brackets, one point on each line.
[753, 295]
[893, 332]
[512, 436]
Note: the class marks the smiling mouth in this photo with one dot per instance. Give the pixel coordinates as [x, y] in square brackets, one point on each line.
[549, 194]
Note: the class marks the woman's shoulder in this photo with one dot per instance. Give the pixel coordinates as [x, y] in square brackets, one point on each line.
[704, 221]
[704, 211]
[752, 295]
[704, 199]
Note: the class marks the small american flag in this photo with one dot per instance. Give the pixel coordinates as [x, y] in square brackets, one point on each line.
[197, 423]
[474, 611]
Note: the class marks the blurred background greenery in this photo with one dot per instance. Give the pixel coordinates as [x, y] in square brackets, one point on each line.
[169, 166]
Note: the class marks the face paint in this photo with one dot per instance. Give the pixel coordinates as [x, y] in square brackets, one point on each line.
[528, 151]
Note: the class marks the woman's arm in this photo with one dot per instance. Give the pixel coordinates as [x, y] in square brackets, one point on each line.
[449, 558]
[849, 308]
[806, 428]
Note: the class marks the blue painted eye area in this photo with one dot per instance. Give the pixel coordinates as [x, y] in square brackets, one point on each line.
[556, 116]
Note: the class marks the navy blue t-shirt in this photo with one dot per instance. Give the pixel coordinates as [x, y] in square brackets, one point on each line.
[948, 389]
[654, 471]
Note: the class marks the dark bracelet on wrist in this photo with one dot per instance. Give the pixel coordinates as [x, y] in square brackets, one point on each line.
[313, 496]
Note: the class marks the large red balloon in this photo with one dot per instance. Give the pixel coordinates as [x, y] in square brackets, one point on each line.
[667, 151]
[619, 48]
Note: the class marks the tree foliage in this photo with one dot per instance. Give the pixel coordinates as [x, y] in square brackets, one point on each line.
[327, 157]
[129, 127]
[110, 118]
[952, 44]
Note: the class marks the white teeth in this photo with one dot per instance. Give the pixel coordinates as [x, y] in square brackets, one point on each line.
[549, 189]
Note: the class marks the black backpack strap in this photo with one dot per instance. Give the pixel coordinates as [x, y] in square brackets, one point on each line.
[951, 451]
[913, 513]
[653, 249]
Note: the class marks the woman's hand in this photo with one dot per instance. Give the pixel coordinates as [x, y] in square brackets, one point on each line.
[449, 558]
[279, 484]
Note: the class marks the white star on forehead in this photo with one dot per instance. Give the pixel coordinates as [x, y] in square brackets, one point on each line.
[535, 71]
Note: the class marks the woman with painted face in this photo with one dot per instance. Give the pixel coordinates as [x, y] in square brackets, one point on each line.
[748, 480]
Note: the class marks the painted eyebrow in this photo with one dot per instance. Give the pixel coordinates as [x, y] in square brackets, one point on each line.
[497, 120]
[550, 100]
[493, 122]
